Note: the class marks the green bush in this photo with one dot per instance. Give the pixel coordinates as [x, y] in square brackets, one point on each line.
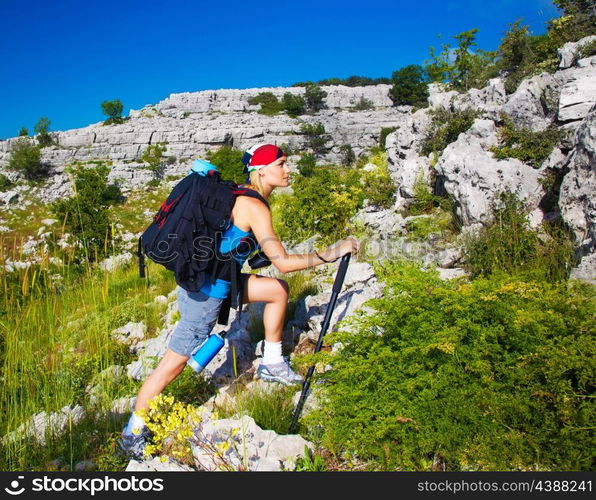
[42, 128]
[113, 110]
[270, 105]
[314, 97]
[508, 244]
[5, 183]
[527, 146]
[153, 156]
[378, 186]
[347, 155]
[307, 164]
[229, 163]
[322, 204]
[294, 105]
[316, 137]
[445, 128]
[489, 375]
[425, 201]
[363, 104]
[86, 214]
[23, 132]
[410, 87]
[26, 159]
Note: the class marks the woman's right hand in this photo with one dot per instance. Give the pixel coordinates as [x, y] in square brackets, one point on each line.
[342, 247]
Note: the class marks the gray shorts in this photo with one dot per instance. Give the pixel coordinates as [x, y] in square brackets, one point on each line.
[198, 315]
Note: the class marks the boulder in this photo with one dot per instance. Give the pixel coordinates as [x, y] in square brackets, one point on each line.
[576, 199]
[475, 178]
[568, 53]
[578, 94]
[240, 444]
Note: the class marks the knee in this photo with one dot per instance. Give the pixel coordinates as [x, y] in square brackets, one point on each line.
[283, 292]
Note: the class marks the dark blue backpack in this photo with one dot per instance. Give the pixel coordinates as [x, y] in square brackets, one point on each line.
[186, 233]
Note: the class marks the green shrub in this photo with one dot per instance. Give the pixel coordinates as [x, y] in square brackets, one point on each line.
[23, 132]
[445, 128]
[270, 105]
[307, 164]
[86, 214]
[153, 156]
[587, 50]
[425, 201]
[314, 97]
[378, 186]
[347, 155]
[113, 110]
[410, 87]
[42, 128]
[322, 203]
[229, 163]
[5, 183]
[527, 146]
[316, 137]
[363, 104]
[435, 223]
[508, 244]
[385, 131]
[489, 375]
[294, 105]
[26, 159]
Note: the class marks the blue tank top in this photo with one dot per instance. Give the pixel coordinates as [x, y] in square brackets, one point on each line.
[230, 240]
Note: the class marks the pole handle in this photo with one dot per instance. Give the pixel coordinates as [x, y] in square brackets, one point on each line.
[341, 273]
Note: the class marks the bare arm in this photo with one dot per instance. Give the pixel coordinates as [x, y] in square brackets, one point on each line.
[262, 227]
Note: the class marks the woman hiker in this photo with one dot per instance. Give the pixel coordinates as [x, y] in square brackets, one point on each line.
[267, 168]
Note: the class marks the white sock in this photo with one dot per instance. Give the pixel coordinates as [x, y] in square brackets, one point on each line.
[135, 423]
[272, 353]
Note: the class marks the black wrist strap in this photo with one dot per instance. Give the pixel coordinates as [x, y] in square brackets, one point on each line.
[325, 261]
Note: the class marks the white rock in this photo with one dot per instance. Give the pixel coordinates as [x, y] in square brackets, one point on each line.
[568, 53]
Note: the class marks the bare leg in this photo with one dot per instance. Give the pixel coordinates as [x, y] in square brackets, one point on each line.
[170, 366]
[275, 293]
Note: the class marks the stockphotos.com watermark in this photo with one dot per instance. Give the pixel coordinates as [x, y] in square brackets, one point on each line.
[85, 485]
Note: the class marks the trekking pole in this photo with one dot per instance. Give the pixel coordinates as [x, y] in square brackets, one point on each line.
[339, 281]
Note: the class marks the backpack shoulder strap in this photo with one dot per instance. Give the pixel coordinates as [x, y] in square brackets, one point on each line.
[251, 193]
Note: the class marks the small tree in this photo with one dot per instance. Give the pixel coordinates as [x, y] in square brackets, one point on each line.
[153, 156]
[42, 128]
[316, 136]
[463, 58]
[294, 105]
[410, 86]
[23, 132]
[314, 96]
[86, 214]
[113, 110]
[26, 159]
[347, 155]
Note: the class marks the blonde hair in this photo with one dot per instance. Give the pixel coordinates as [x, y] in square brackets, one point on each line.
[255, 183]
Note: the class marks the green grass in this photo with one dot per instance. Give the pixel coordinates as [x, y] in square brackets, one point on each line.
[55, 339]
[271, 408]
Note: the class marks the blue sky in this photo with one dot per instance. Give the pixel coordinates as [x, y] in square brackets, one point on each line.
[61, 59]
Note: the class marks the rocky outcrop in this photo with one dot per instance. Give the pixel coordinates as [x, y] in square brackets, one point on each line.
[578, 93]
[193, 123]
[576, 200]
[475, 178]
